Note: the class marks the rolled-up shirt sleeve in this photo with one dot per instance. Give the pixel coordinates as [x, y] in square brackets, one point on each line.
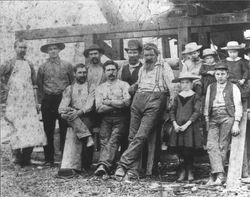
[66, 98]
[206, 107]
[126, 95]
[237, 103]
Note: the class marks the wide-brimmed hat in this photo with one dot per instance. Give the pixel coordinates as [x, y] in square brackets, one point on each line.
[45, 47]
[185, 75]
[221, 66]
[233, 45]
[207, 52]
[92, 48]
[134, 45]
[191, 47]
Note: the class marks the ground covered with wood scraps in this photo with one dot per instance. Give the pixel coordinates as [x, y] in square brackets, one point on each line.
[40, 181]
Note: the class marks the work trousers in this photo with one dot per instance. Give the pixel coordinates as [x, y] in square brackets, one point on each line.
[112, 130]
[218, 140]
[146, 109]
[49, 108]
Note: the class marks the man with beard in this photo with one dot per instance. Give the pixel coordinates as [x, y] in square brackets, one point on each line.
[129, 73]
[75, 106]
[112, 100]
[52, 79]
[148, 105]
[95, 70]
[95, 77]
[19, 79]
[192, 63]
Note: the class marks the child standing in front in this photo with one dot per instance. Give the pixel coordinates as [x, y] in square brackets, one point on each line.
[223, 112]
[237, 69]
[186, 135]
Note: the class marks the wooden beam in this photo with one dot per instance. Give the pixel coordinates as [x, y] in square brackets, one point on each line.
[183, 38]
[141, 34]
[108, 50]
[117, 47]
[236, 156]
[135, 26]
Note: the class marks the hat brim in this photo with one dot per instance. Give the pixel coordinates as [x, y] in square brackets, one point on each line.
[212, 54]
[138, 49]
[177, 80]
[233, 48]
[190, 51]
[45, 47]
[86, 52]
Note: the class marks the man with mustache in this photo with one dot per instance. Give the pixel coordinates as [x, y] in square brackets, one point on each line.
[95, 70]
[129, 73]
[75, 106]
[52, 79]
[112, 100]
[95, 77]
[18, 79]
[148, 105]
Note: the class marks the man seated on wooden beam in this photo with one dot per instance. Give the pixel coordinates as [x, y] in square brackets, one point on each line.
[75, 106]
[223, 112]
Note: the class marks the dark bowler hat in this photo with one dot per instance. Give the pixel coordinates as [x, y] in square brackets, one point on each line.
[221, 66]
[45, 47]
[134, 45]
[92, 48]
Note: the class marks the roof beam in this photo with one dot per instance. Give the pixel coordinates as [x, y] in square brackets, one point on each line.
[161, 24]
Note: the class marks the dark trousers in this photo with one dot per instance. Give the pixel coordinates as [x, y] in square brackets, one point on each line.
[146, 109]
[111, 132]
[22, 156]
[50, 114]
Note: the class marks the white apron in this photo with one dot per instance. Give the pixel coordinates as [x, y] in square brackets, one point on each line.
[21, 113]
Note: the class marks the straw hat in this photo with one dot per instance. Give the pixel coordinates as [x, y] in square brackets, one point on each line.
[92, 48]
[186, 75]
[45, 47]
[207, 52]
[134, 45]
[191, 47]
[233, 45]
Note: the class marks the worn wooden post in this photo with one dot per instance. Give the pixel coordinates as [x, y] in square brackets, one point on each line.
[183, 38]
[236, 156]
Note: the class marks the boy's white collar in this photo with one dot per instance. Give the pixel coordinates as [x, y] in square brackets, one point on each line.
[233, 60]
[187, 93]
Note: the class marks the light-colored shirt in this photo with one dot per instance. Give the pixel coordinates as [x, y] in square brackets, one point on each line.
[219, 100]
[54, 76]
[192, 67]
[147, 81]
[117, 90]
[78, 97]
[95, 75]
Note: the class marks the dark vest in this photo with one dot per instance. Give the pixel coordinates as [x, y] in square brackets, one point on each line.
[228, 97]
[130, 78]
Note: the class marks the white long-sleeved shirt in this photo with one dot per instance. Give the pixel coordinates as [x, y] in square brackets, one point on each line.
[219, 100]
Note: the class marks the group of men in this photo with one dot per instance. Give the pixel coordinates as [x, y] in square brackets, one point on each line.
[125, 103]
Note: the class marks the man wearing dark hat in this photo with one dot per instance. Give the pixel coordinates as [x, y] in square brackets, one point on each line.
[148, 105]
[95, 70]
[223, 112]
[52, 79]
[129, 73]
